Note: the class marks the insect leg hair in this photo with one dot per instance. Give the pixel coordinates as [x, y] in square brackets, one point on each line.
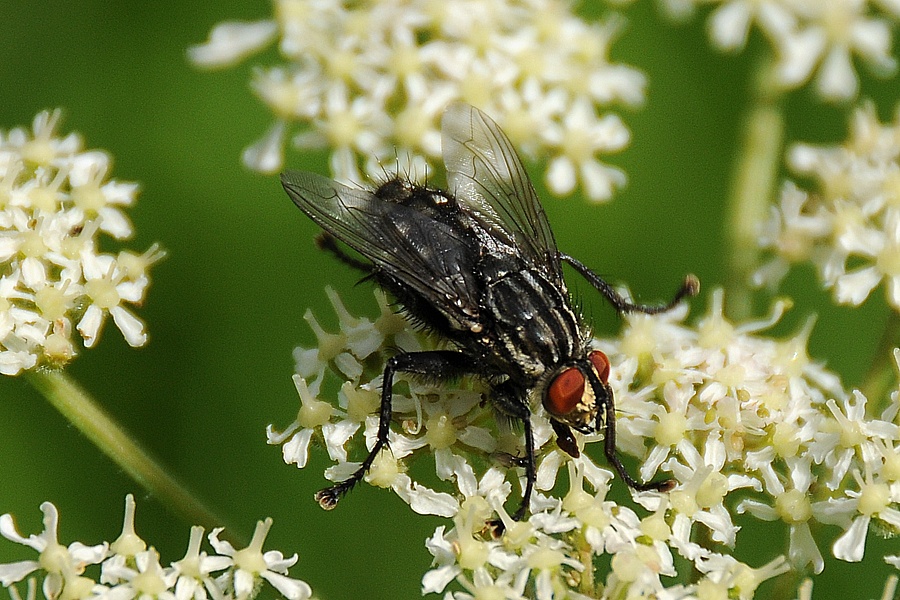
[433, 365]
[604, 396]
[689, 287]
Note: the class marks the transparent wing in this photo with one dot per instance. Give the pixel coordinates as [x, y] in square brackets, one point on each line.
[423, 254]
[488, 178]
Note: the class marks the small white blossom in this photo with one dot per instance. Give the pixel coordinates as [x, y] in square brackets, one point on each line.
[56, 201]
[194, 571]
[61, 564]
[828, 36]
[129, 570]
[231, 41]
[848, 226]
[370, 81]
[251, 564]
[147, 580]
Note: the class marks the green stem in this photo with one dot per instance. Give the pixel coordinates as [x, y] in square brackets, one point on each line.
[82, 411]
[752, 189]
[881, 378]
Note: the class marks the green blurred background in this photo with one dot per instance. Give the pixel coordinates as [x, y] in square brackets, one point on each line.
[225, 308]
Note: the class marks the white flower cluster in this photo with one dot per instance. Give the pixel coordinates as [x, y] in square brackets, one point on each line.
[369, 80]
[849, 224]
[55, 202]
[715, 407]
[810, 38]
[129, 569]
[728, 410]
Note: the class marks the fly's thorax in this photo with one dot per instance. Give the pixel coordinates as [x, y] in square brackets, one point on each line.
[569, 396]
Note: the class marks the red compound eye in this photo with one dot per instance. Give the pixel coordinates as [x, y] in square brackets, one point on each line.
[601, 364]
[565, 392]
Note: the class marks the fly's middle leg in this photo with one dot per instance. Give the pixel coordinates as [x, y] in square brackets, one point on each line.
[435, 365]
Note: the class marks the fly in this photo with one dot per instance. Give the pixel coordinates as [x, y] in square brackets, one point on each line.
[479, 266]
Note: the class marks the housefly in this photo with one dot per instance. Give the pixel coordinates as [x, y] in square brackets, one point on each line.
[477, 264]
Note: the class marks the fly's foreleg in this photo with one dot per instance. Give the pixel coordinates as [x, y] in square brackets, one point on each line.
[690, 287]
[607, 411]
[436, 365]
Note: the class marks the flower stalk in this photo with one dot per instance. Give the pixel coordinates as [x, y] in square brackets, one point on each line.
[82, 411]
[752, 189]
[881, 379]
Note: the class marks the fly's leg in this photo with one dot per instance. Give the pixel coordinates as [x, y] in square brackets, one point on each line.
[612, 455]
[530, 471]
[508, 400]
[436, 365]
[327, 242]
[689, 287]
[602, 391]
[607, 411]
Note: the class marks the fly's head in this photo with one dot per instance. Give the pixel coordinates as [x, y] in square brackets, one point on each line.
[575, 396]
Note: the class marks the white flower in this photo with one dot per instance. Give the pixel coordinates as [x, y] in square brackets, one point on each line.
[369, 82]
[729, 24]
[296, 438]
[267, 154]
[147, 581]
[194, 571]
[577, 140]
[59, 201]
[848, 226]
[251, 563]
[829, 34]
[130, 570]
[231, 42]
[106, 288]
[715, 406]
[873, 500]
[769, 419]
[807, 37]
[61, 564]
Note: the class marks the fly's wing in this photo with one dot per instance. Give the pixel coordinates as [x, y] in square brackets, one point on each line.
[488, 178]
[429, 257]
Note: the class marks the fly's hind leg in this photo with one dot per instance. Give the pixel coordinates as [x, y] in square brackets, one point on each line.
[327, 242]
[435, 365]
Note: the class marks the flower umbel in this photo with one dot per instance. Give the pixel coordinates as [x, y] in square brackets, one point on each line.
[848, 223]
[739, 421]
[369, 81]
[129, 569]
[55, 202]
